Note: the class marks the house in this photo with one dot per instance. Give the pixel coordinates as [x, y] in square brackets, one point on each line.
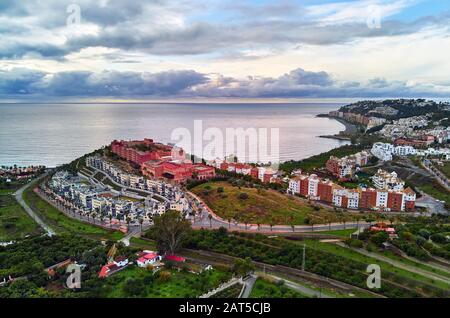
[108, 270]
[121, 261]
[148, 258]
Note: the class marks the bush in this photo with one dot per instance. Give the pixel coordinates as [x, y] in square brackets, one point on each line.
[164, 276]
[220, 190]
[356, 244]
[243, 196]
[438, 238]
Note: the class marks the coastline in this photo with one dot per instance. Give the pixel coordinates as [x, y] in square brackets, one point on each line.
[344, 134]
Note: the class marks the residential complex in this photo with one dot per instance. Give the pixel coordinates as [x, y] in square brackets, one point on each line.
[344, 168]
[387, 181]
[315, 188]
[140, 151]
[159, 161]
[265, 174]
[385, 151]
[368, 121]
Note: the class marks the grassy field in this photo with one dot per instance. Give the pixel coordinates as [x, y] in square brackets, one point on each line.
[353, 255]
[14, 221]
[179, 285]
[261, 206]
[63, 224]
[265, 289]
[445, 169]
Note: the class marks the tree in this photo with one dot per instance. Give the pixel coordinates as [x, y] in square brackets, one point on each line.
[210, 220]
[141, 221]
[169, 230]
[379, 238]
[242, 267]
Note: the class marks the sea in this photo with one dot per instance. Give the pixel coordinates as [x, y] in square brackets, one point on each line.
[54, 134]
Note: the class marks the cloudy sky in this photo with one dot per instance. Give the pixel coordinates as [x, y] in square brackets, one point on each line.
[160, 49]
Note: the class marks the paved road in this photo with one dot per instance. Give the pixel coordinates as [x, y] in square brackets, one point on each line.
[400, 265]
[19, 197]
[249, 282]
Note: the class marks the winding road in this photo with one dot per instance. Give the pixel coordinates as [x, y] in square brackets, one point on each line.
[19, 197]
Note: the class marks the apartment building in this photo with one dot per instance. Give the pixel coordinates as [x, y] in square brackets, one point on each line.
[382, 151]
[387, 181]
[363, 198]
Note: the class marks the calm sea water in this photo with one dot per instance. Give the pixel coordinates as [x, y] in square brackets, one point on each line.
[50, 134]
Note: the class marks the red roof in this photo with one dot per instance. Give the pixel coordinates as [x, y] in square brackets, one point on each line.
[103, 272]
[150, 256]
[175, 258]
[141, 260]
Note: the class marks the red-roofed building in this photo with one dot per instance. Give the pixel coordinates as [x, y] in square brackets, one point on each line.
[149, 258]
[175, 258]
[107, 270]
[140, 151]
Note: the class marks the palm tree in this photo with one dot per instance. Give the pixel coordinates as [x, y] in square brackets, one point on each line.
[141, 221]
[110, 220]
[229, 222]
[210, 220]
[128, 220]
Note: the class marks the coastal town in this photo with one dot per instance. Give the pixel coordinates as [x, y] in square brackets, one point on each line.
[126, 191]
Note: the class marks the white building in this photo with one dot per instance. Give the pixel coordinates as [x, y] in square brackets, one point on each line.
[387, 181]
[382, 151]
[404, 151]
[313, 184]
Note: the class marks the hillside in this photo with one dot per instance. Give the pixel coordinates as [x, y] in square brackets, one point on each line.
[398, 108]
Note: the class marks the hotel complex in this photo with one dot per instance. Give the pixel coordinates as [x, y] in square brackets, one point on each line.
[161, 161]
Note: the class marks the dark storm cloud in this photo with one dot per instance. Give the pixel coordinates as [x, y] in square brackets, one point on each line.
[295, 84]
[88, 84]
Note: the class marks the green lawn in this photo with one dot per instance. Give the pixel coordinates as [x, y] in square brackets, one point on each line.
[143, 244]
[266, 289]
[14, 221]
[179, 285]
[262, 206]
[62, 223]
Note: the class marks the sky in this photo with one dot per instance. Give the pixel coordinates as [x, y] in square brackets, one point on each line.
[204, 50]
